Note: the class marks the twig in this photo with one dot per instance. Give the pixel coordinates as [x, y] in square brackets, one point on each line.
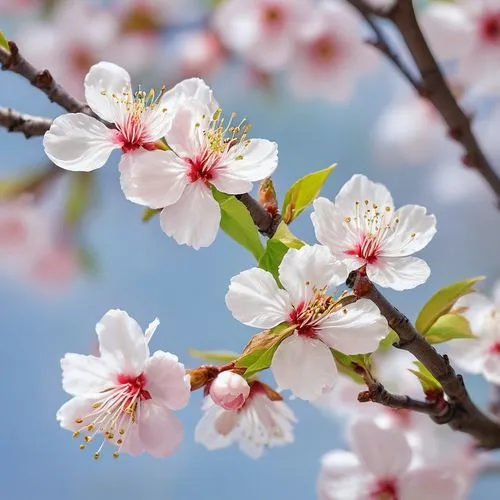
[265, 222]
[41, 79]
[464, 415]
[495, 400]
[29, 125]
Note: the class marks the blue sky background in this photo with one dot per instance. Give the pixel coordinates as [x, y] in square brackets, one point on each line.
[146, 273]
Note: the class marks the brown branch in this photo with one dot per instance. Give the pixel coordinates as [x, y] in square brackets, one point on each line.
[265, 222]
[464, 415]
[41, 79]
[433, 85]
[29, 125]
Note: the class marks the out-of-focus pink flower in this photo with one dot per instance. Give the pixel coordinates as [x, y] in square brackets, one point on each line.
[331, 54]
[18, 6]
[229, 390]
[263, 32]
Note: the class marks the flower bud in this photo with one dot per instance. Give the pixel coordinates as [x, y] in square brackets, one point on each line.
[229, 390]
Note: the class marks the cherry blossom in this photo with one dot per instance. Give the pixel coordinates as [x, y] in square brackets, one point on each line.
[379, 468]
[229, 390]
[263, 421]
[205, 151]
[480, 355]
[331, 55]
[125, 394]
[363, 230]
[80, 142]
[303, 361]
[263, 32]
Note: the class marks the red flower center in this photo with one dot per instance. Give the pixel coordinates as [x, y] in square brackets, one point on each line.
[384, 489]
[307, 316]
[495, 348]
[201, 168]
[132, 135]
[273, 16]
[489, 27]
[323, 49]
[135, 387]
[367, 249]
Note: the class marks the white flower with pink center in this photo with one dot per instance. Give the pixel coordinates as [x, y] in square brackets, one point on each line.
[125, 395]
[363, 230]
[379, 468]
[331, 54]
[80, 142]
[262, 422]
[229, 390]
[205, 151]
[263, 32]
[303, 361]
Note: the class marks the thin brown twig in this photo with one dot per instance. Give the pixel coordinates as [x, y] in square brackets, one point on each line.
[266, 223]
[464, 415]
[29, 125]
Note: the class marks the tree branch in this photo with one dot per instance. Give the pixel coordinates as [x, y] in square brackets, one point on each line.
[29, 125]
[266, 223]
[464, 415]
[433, 85]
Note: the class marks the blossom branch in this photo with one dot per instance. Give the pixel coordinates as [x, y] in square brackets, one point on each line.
[433, 85]
[464, 415]
[29, 125]
[266, 223]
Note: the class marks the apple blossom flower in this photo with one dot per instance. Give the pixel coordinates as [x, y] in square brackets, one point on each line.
[229, 390]
[80, 142]
[125, 394]
[363, 230]
[263, 421]
[303, 361]
[331, 55]
[379, 468]
[205, 151]
[263, 32]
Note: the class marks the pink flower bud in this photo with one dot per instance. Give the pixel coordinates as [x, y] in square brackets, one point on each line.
[229, 390]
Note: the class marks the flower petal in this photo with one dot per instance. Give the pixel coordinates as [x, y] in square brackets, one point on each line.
[215, 428]
[305, 366]
[194, 220]
[102, 81]
[151, 329]
[255, 299]
[185, 137]
[132, 443]
[429, 483]
[384, 452]
[85, 375]
[122, 343]
[75, 408]
[413, 232]
[469, 354]
[155, 179]
[191, 89]
[357, 328]
[399, 273]
[491, 368]
[159, 430]
[167, 381]
[307, 269]
[78, 142]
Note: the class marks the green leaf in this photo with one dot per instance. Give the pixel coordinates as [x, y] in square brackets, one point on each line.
[346, 364]
[237, 223]
[303, 192]
[284, 235]
[270, 261]
[3, 42]
[448, 327]
[387, 343]
[149, 213]
[427, 379]
[442, 302]
[80, 197]
[216, 356]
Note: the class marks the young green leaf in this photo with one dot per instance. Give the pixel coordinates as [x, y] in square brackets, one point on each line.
[237, 223]
[270, 261]
[443, 301]
[448, 327]
[303, 192]
[215, 356]
[427, 380]
[3, 42]
[149, 213]
[347, 364]
[284, 235]
[387, 343]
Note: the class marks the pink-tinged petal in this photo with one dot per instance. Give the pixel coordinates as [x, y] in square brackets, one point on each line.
[159, 430]
[427, 483]
[305, 366]
[194, 220]
[414, 231]
[185, 137]
[157, 121]
[132, 443]
[215, 428]
[85, 376]
[384, 452]
[307, 269]
[255, 299]
[331, 229]
[102, 81]
[166, 380]
[399, 273]
[155, 179]
[491, 370]
[361, 189]
[469, 354]
[78, 142]
[73, 410]
[226, 181]
[151, 329]
[355, 329]
[188, 90]
[122, 343]
[341, 477]
[251, 160]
